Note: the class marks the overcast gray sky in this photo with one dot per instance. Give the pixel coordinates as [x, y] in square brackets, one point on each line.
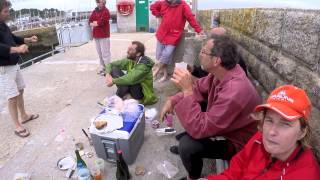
[202, 4]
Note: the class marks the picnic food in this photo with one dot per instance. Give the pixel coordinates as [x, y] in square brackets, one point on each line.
[100, 124]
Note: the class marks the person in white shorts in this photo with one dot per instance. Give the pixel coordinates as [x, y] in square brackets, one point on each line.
[11, 81]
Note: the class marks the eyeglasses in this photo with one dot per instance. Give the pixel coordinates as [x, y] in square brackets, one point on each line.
[205, 53]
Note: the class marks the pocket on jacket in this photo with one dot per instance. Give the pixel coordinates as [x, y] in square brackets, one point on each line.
[175, 33]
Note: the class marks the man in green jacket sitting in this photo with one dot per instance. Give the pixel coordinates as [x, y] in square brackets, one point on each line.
[137, 80]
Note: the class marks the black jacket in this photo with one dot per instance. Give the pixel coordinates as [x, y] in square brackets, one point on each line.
[8, 40]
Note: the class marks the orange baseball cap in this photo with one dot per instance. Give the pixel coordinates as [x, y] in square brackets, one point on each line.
[289, 101]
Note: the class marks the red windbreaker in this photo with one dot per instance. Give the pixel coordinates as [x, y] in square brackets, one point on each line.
[254, 163]
[174, 17]
[102, 17]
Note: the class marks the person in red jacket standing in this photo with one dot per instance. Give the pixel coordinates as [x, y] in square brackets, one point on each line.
[282, 149]
[99, 21]
[173, 15]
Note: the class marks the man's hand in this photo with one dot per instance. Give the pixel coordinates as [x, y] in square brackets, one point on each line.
[167, 108]
[183, 80]
[20, 49]
[33, 39]
[109, 80]
[202, 33]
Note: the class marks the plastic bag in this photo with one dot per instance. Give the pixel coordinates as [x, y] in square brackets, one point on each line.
[167, 169]
[131, 110]
[150, 115]
[131, 105]
[113, 102]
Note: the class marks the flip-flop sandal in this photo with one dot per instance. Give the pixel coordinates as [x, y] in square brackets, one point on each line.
[32, 117]
[23, 133]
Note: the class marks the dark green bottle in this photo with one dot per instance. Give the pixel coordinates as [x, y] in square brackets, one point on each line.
[122, 168]
[80, 161]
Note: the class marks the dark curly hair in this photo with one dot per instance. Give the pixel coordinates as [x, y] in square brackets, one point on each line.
[140, 47]
[226, 49]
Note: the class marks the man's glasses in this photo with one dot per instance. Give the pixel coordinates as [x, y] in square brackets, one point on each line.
[208, 54]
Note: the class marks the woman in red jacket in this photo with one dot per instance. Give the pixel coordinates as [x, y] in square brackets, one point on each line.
[99, 21]
[281, 150]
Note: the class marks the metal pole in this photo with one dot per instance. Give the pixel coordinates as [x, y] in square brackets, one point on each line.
[195, 7]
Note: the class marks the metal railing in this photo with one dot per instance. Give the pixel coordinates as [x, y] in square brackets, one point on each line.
[52, 52]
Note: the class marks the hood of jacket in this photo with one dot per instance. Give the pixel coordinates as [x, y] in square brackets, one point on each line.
[146, 61]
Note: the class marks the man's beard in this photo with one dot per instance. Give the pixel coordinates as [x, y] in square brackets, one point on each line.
[132, 57]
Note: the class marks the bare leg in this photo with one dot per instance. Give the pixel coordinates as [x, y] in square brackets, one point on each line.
[13, 109]
[156, 70]
[20, 103]
[164, 69]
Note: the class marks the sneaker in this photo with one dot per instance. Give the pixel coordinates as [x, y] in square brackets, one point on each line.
[174, 150]
[101, 73]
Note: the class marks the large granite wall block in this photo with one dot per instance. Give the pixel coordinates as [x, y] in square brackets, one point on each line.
[226, 17]
[268, 24]
[261, 71]
[300, 35]
[243, 20]
[310, 82]
[262, 51]
[315, 127]
[284, 66]
[204, 17]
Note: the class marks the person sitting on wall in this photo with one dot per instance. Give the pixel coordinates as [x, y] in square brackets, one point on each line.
[138, 80]
[230, 98]
[173, 15]
[281, 149]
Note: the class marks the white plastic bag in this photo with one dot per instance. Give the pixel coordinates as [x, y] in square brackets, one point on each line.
[113, 102]
[167, 169]
[150, 115]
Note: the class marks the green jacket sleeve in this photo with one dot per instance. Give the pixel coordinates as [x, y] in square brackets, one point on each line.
[133, 77]
[121, 64]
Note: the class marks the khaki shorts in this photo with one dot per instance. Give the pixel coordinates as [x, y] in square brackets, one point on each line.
[11, 81]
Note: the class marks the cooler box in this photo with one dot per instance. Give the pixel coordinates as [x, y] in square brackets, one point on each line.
[129, 139]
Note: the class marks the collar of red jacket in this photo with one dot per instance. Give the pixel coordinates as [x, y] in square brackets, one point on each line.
[103, 8]
[175, 3]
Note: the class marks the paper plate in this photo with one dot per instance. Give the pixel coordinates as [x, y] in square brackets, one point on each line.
[66, 163]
